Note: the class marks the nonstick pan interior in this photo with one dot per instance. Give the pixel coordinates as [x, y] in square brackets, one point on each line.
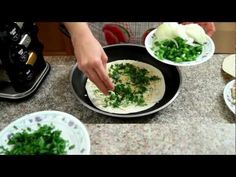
[171, 74]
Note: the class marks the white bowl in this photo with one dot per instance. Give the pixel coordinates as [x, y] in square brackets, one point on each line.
[228, 65]
[71, 129]
[228, 96]
[207, 53]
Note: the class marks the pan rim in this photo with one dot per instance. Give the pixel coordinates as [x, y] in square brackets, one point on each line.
[125, 116]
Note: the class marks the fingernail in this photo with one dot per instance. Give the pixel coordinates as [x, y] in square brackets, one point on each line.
[112, 87]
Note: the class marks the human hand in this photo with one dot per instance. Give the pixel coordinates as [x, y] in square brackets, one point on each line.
[92, 61]
[209, 27]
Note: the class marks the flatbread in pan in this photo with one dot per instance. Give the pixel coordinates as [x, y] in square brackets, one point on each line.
[155, 91]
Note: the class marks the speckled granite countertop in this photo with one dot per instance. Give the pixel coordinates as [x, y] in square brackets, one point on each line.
[197, 122]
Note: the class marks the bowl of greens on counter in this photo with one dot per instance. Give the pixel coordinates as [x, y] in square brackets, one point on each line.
[45, 133]
[180, 45]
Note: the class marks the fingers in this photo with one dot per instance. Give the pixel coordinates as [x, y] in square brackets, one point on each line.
[98, 75]
[104, 59]
[210, 32]
[103, 75]
[92, 75]
[209, 27]
[102, 72]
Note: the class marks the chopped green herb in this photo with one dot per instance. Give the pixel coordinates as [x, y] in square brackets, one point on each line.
[130, 91]
[72, 147]
[43, 141]
[177, 50]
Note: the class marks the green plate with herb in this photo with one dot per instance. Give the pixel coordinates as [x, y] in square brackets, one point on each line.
[45, 133]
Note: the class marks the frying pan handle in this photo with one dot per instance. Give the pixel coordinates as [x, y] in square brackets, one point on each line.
[63, 29]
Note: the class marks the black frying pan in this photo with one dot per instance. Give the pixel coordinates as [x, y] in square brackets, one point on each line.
[171, 74]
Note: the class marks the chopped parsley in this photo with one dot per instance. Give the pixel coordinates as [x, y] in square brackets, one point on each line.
[177, 50]
[131, 82]
[43, 141]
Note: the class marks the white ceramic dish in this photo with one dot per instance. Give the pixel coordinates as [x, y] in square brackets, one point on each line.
[207, 53]
[71, 129]
[228, 65]
[228, 96]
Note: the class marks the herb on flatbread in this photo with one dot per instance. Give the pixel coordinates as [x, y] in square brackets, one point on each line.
[131, 83]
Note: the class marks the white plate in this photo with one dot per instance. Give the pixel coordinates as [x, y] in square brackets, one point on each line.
[207, 53]
[228, 65]
[71, 129]
[228, 96]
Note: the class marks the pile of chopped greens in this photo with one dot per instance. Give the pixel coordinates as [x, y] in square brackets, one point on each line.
[43, 141]
[177, 50]
[132, 89]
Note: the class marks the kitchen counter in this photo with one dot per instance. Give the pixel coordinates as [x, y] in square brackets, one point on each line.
[197, 122]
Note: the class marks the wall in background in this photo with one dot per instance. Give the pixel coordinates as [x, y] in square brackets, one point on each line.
[56, 43]
[225, 37]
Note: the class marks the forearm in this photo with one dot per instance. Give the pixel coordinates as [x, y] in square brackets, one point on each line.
[78, 29]
[90, 55]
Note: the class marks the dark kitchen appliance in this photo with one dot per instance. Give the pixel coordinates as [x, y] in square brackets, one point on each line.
[22, 65]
